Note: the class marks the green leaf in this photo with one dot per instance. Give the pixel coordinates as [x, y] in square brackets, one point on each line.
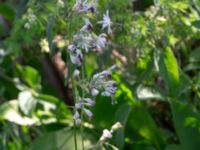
[145, 125]
[7, 12]
[196, 24]
[59, 140]
[169, 70]
[9, 111]
[30, 76]
[187, 125]
[27, 102]
[195, 55]
[122, 115]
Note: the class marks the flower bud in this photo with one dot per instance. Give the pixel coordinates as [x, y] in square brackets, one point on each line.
[116, 126]
[88, 112]
[94, 92]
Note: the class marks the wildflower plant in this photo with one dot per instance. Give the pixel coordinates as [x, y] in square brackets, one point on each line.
[84, 41]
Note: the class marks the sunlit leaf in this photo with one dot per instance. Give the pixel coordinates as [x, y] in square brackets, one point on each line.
[187, 125]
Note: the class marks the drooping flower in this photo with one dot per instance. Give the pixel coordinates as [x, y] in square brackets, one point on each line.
[106, 22]
[101, 82]
[106, 135]
[76, 55]
[84, 6]
[83, 41]
[87, 26]
[100, 41]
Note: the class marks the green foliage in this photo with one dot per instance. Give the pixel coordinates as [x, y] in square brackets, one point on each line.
[155, 43]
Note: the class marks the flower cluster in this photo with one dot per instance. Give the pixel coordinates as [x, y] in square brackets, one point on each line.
[84, 41]
[83, 104]
[30, 18]
[84, 6]
[103, 82]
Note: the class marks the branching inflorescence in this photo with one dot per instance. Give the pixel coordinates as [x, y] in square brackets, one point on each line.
[83, 42]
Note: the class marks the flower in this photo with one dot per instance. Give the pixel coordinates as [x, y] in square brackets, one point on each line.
[100, 41]
[89, 102]
[83, 41]
[106, 135]
[94, 92]
[76, 118]
[110, 88]
[102, 82]
[88, 112]
[87, 26]
[44, 46]
[106, 22]
[81, 6]
[116, 127]
[76, 55]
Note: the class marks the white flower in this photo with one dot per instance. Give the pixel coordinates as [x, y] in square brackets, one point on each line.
[88, 112]
[44, 46]
[106, 22]
[106, 135]
[116, 126]
[76, 73]
[94, 92]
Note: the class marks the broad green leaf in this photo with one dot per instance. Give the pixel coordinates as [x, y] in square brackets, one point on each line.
[27, 102]
[187, 125]
[7, 12]
[9, 111]
[195, 55]
[122, 115]
[196, 24]
[173, 147]
[169, 70]
[59, 140]
[30, 76]
[145, 125]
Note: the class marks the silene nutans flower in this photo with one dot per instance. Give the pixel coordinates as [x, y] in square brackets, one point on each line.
[76, 55]
[106, 22]
[84, 6]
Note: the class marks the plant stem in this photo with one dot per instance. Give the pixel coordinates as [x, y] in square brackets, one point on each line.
[75, 138]
[83, 94]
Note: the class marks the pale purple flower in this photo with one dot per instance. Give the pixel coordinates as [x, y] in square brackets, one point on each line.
[89, 102]
[83, 41]
[100, 41]
[76, 57]
[88, 112]
[106, 22]
[87, 26]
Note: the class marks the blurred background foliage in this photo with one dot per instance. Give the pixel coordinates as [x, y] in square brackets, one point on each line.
[157, 44]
